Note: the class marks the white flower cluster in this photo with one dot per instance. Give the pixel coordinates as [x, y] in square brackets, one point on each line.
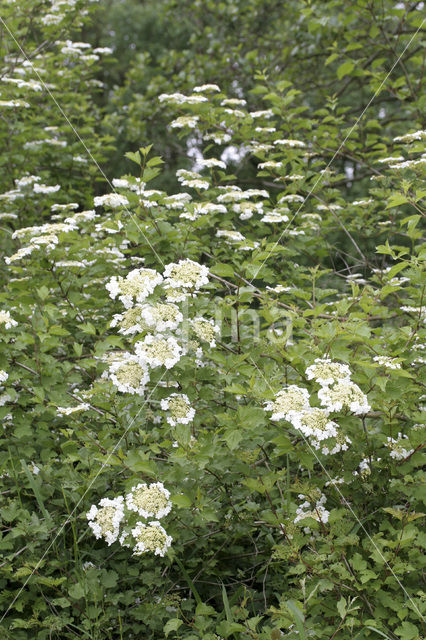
[113, 519]
[151, 537]
[344, 394]
[179, 409]
[205, 329]
[67, 411]
[185, 121]
[179, 98]
[385, 361]
[7, 320]
[186, 275]
[111, 200]
[397, 449]
[317, 512]
[192, 179]
[105, 519]
[159, 350]
[155, 319]
[128, 374]
[149, 501]
[135, 287]
[337, 392]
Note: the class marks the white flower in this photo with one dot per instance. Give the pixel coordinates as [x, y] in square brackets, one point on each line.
[291, 197]
[67, 411]
[64, 207]
[179, 408]
[247, 209]
[218, 138]
[21, 253]
[266, 113]
[289, 401]
[386, 361]
[271, 164]
[201, 209]
[14, 103]
[103, 50]
[326, 372]
[205, 329]
[3, 375]
[212, 162]
[105, 520]
[205, 88]
[149, 501]
[344, 394]
[420, 311]
[7, 320]
[128, 374]
[150, 537]
[364, 469]
[42, 188]
[342, 444]
[111, 200]
[391, 159]
[160, 316]
[186, 274]
[289, 143]
[180, 98]
[158, 350]
[177, 201]
[136, 286]
[411, 137]
[274, 217]
[397, 449]
[185, 121]
[318, 512]
[314, 422]
[230, 235]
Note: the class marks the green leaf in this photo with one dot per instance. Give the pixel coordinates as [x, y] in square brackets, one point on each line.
[172, 625]
[298, 618]
[345, 69]
[181, 500]
[341, 607]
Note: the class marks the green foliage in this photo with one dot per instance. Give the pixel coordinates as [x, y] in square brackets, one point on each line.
[309, 245]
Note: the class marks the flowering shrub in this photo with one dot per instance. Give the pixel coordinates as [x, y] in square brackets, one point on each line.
[251, 338]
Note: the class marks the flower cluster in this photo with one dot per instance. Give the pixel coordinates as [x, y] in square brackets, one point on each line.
[386, 361]
[151, 313]
[111, 200]
[7, 320]
[205, 330]
[115, 519]
[128, 374]
[179, 409]
[317, 512]
[149, 501]
[136, 286]
[337, 392]
[105, 519]
[397, 449]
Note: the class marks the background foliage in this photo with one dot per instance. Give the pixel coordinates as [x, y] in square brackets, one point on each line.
[343, 277]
